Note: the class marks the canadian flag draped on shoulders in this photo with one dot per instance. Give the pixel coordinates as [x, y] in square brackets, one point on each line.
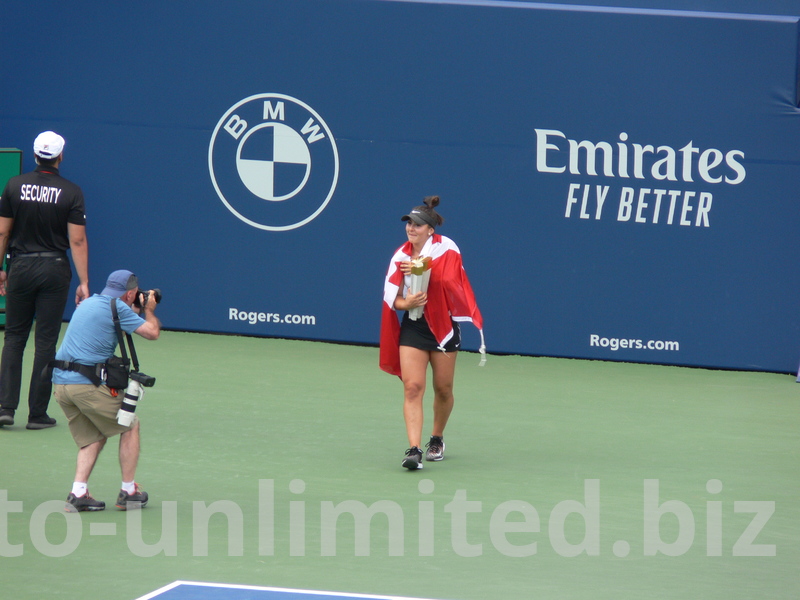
[450, 295]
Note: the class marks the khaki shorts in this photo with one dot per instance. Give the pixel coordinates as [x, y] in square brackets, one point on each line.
[91, 412]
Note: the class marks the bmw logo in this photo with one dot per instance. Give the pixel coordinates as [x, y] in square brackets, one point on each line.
[273, 162]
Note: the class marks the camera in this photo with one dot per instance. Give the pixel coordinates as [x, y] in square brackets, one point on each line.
[133, 393]
[145, 295]
[144, 380]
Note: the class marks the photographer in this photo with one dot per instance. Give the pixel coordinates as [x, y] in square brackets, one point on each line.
[91, 410]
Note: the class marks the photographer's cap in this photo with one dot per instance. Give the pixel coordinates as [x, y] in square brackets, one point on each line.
[48, 145]
[120, 282]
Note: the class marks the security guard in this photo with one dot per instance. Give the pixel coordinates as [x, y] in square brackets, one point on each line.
[42, 215]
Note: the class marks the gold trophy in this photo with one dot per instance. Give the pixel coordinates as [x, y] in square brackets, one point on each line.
[420, 276]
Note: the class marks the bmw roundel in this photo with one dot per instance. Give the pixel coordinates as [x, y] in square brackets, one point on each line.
[273, 162]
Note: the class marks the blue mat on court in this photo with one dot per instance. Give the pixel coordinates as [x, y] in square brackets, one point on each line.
[192, 590]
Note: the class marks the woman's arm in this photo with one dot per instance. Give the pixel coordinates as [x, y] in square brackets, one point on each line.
[410, 301]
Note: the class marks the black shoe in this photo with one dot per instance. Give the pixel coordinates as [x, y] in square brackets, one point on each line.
[126, 501]
[413, 459]
[82, 503]
[435, 448]
[6, 417]
[40, 422]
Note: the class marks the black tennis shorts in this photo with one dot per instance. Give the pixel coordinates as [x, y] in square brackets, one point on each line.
[417, 334]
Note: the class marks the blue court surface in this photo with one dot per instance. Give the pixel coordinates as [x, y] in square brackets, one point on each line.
[193, 590]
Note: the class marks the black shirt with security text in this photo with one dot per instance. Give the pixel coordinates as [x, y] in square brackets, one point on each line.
[41, 203]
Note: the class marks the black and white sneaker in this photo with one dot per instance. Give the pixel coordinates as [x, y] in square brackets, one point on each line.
[82, 503]
[435, 448]
[413, 459]
[126, 501]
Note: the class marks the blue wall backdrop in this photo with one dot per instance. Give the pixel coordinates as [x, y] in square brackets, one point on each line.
[622, 180]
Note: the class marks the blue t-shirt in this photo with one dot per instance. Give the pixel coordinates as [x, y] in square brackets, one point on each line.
[91, 337]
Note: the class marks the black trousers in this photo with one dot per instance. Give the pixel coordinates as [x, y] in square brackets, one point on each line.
[36, 287]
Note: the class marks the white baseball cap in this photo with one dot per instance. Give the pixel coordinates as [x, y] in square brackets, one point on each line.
[48, 144]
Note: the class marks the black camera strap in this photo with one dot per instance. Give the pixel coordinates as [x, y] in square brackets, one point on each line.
[134, 359]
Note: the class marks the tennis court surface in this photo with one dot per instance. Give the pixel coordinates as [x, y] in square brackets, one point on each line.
[274, 465]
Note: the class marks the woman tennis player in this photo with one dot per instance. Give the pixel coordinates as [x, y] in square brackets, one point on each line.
[432, 337]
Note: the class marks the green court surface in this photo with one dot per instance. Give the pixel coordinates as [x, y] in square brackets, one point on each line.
[277, 463]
